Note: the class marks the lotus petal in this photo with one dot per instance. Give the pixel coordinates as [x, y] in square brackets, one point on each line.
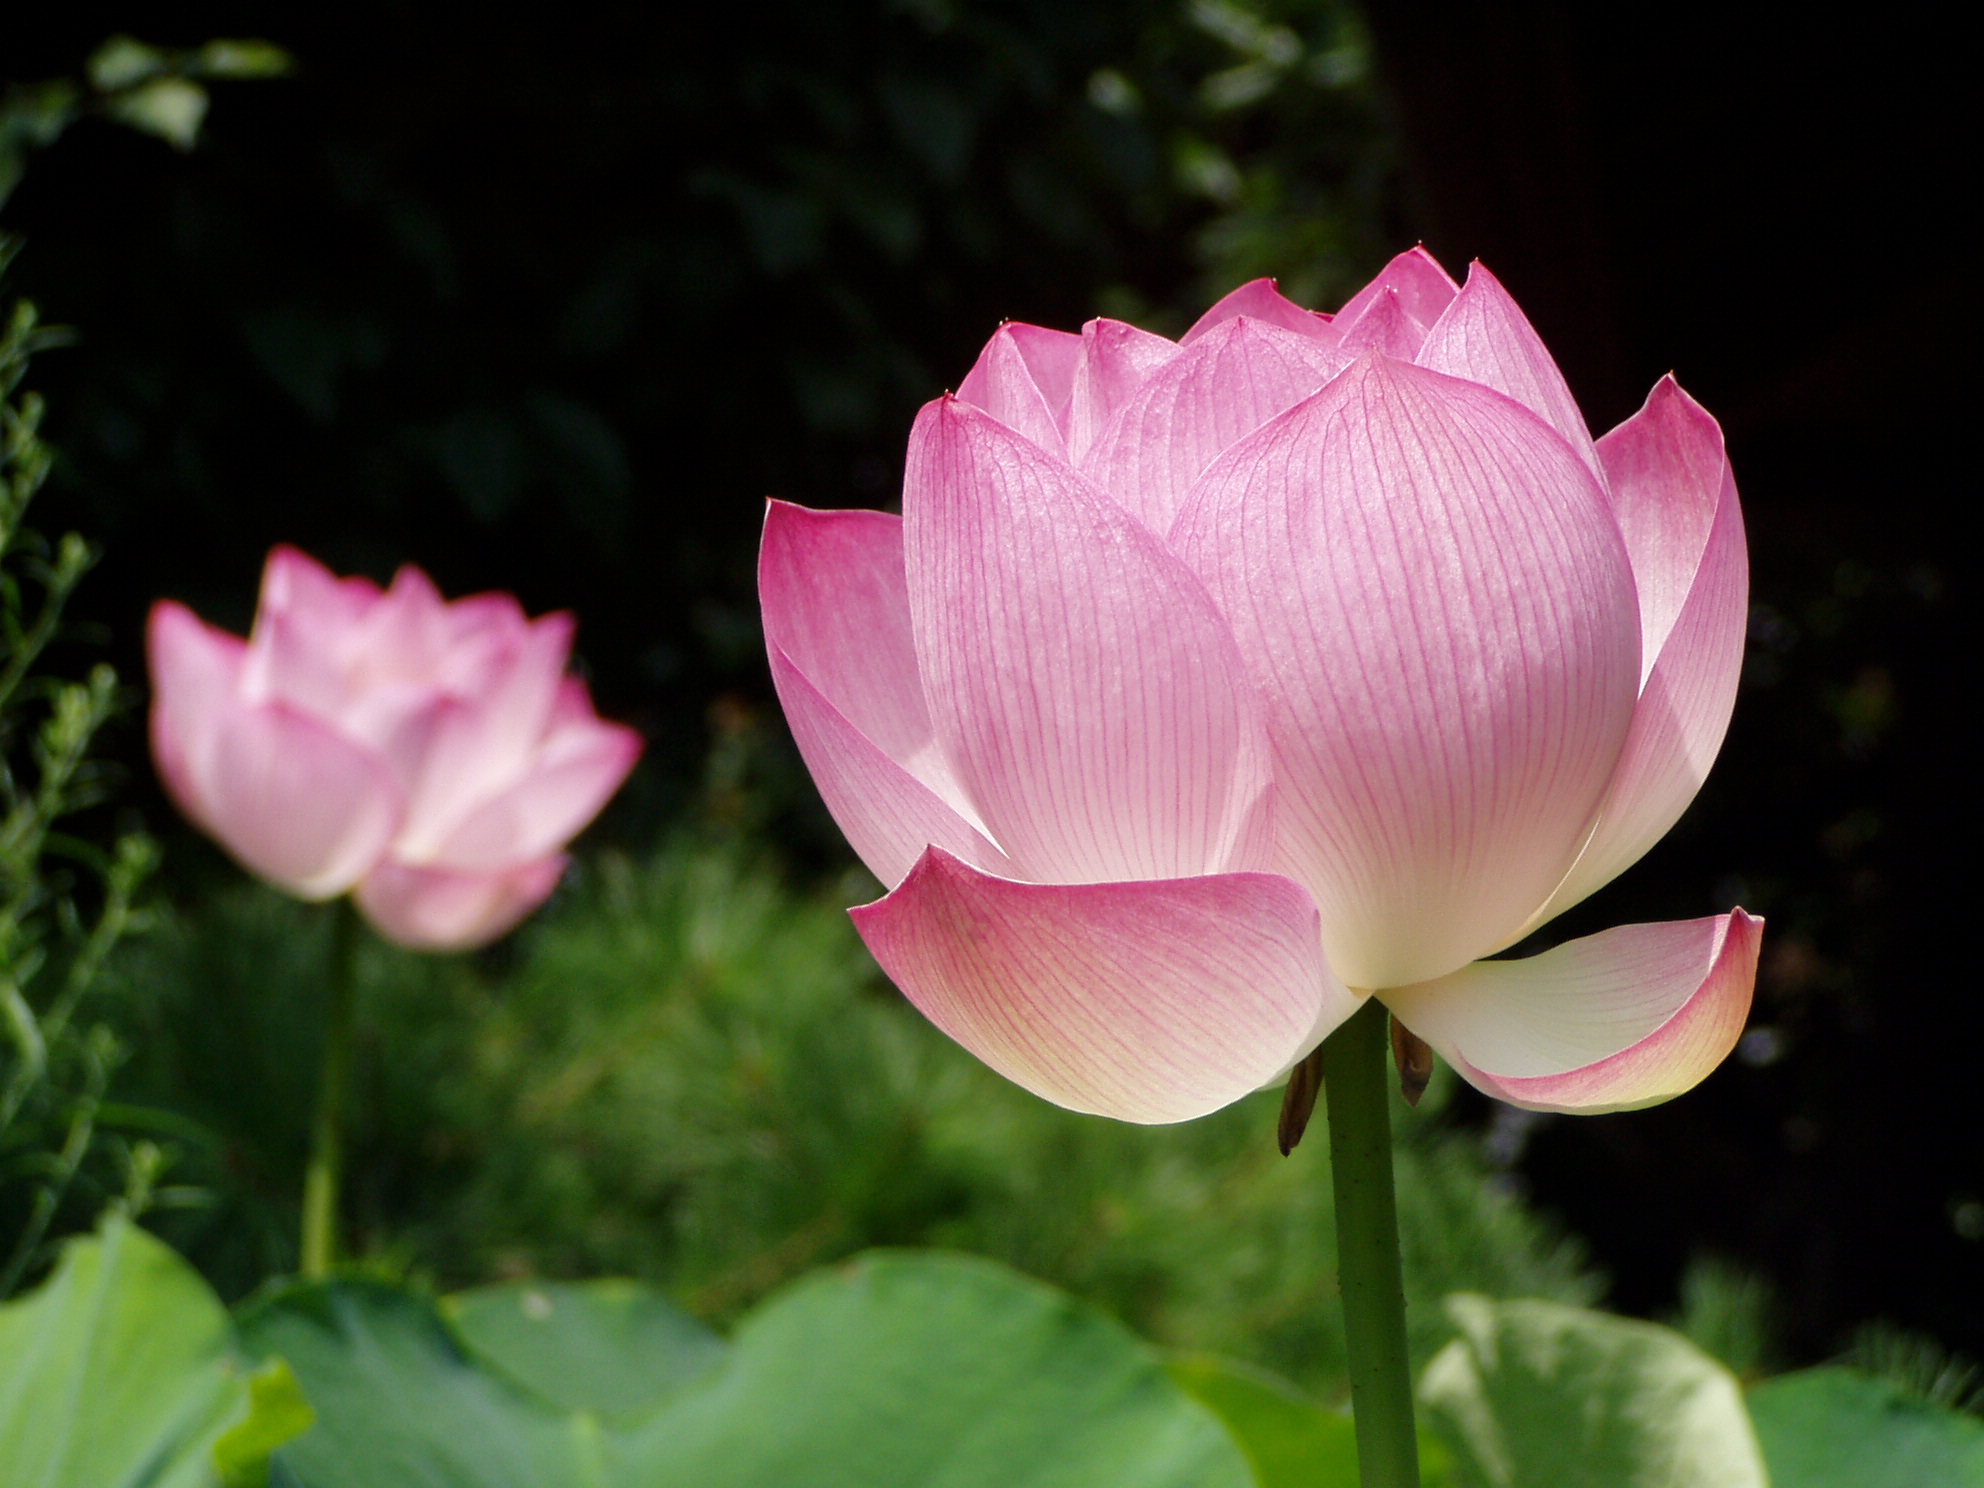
[434, 909]
[1081, 683]
[196, 675]
[1415, 279]
[1258, 299]
[1003, 384]
[576, 772]
[1222, 386]
[1676, 501]
[1432, 594]
[1115, 360]
[1626, 1018]
[294, 800]
[1483, 336]
[1149, 1002]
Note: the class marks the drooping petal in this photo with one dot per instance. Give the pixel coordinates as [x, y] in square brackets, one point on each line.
[1224, 385]
[1432, 594]
[1078, 676]
[1676, 501]
[433, 909]
[1002, 383]
[196, 676]
[1258, 299]
[1115, 360]
[1483, 336]
[1415, 279]
[576, 772]
[295, 801]
[1626, 1018]
[1148, 1002]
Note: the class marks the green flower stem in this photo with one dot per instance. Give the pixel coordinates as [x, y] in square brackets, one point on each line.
[1356, 1080]
[320, 1178]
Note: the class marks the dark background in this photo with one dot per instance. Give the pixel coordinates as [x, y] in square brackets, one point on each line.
[552, 306]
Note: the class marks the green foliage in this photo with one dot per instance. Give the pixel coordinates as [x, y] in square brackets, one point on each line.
[1535, 1393]
[688, 1072]
[925, 1371]
[123, 1368]
[1843, 1428]
[156, 90]
[54, 933]
[616, 1348]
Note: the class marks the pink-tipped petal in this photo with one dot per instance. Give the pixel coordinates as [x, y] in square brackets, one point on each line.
[1382, 325]
[1676, 501]
[196, 676]
[433, 909]
[835, 601]
[1432, 594]
[1002, 383]
[1224, 385]
[575, 774]
[1626, 1018]
[295, 801]
[1115, 360]
[1415, 279]
[480, 744]
[1258, 299]
[295, 583]
[888, 815]
[1484, 337]
[1079, 678]
[1148, 1002]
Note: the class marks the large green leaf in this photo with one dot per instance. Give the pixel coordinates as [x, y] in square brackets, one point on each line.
[907, 1370]
[1839, 1428]
[399, 1401]
[121, 1372]
[1289, 1440]
[1535, 1393]
[614, 1347]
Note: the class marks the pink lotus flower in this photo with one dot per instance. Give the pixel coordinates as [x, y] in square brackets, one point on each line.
[1205, 688]
[432, 756]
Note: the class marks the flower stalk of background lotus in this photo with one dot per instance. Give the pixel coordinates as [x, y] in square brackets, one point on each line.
[430, 759]
[1208, 692]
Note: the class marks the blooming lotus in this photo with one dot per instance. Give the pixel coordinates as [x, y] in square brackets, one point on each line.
[432, 756]
[1205, 688]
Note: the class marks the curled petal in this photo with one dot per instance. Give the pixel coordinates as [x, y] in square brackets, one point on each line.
[1148, 1002]
[1224, 385]
[1024, 379]
[294, 583]
[435, 909]
[1484, 337]
[1626, 1018]
[1258, 299]
[1079, 679]
[294, 800]
[1432, 595]
[1676, 501]
[1415, 280]
[1115, 360]
[196, 677]
[576, 773]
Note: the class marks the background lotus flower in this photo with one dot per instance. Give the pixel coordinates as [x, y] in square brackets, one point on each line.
[432, 756]
[1204, 688]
